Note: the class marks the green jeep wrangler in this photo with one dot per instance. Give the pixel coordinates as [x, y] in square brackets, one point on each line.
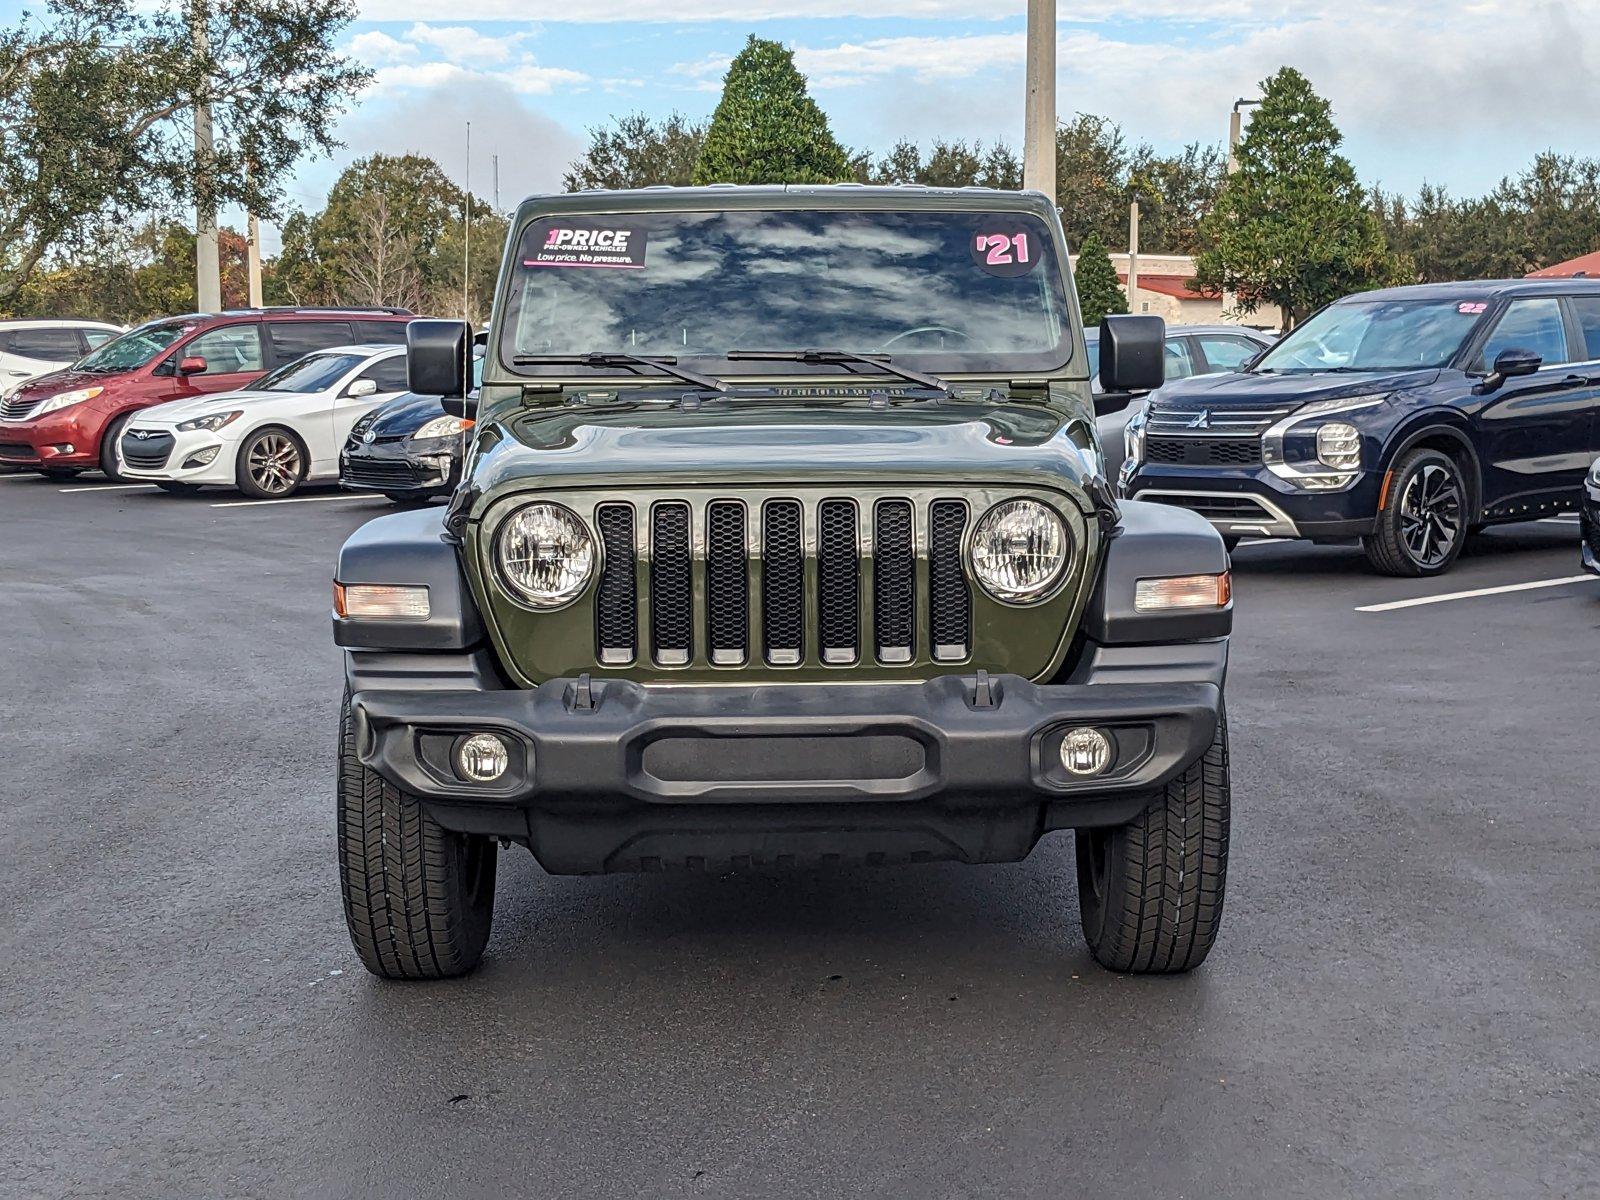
[783, 539]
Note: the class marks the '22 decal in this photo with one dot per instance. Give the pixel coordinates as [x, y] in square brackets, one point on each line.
[999, 248]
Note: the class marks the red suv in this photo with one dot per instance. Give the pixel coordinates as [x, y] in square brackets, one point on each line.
[70, 420]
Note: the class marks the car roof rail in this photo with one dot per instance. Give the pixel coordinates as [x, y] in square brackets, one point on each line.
[374, 309]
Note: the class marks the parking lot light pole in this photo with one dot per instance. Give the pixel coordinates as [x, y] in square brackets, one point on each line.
[1039, 115]
[1230, 302]
[208, 266]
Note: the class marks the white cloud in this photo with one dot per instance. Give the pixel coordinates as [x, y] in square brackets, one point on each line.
[464, 45]
[375, 48]
[922, 57]
[640, 11]
[526, 78]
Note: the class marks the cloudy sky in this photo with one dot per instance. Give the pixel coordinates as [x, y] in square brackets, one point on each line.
[1457, 92]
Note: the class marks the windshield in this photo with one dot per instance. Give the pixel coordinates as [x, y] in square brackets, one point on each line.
[952, 291]
[134, 348]
[1377, 335]
[313, 373]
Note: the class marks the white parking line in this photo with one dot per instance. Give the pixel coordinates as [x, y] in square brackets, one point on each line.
[1491, 591]
[105, 487]
[287, 500]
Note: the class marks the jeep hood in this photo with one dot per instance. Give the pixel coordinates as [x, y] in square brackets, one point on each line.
[1256, 389]
[737, 442]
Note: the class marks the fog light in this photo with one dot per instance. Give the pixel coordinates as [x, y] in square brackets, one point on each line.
[1085, 751]
[482, 758]
[200, 458]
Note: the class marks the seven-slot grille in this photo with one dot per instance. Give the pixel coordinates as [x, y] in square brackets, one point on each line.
[763, 601]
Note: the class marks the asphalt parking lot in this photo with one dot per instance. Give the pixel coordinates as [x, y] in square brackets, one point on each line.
[1402, 1002]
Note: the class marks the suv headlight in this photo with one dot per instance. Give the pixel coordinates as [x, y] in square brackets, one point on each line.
[1594, 474]
[441, 427]
[1339, 446]
[1133, 434]
[64, 399]
[212, 421]
[1019, 550]
[545, 555]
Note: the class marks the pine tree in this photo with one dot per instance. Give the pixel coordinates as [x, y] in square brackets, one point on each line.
[1100, 293]
[1293, 226]
[766, 128]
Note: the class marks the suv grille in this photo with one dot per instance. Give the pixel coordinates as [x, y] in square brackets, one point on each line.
[862, 595]
[1213, 423]
[1203, 452]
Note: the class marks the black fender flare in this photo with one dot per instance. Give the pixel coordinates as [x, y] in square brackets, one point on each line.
[1430, 426]
[409, 548]
[1155, 541]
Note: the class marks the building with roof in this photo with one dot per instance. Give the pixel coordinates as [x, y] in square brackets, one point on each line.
[1585, 266]
[1164, 291]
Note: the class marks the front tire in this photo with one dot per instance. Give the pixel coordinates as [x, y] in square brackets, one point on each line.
[272, 464]
[109, 464]
[1150, 892]
[418, 899]
[1423, 527]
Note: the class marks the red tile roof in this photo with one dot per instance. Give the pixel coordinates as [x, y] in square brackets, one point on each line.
[1589, 264]
[1171, 285]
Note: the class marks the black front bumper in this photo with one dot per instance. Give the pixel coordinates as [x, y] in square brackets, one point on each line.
[612, 775]
[394, 467]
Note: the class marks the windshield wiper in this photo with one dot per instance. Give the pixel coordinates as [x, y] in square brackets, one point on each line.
[614, 358]
[842, 358]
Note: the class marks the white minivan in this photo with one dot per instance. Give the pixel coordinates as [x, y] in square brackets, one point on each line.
[36, 346]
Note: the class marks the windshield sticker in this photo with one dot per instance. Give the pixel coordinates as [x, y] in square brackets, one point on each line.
[1005, 253]
[565, 246]
[1472, 308]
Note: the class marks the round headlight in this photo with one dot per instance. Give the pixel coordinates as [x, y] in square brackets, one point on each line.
[1019, 550]
[545, 554]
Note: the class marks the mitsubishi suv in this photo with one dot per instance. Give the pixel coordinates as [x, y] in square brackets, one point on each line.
[1403, 419]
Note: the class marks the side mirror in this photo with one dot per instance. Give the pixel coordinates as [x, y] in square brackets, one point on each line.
[193, 365]
[1133, 354]
[465, 407]
[1511, 364]
[436, 358]
[362, 387]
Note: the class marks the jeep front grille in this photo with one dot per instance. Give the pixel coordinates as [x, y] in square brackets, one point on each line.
[783, 582]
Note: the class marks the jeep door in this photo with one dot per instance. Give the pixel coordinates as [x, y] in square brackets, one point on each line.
[1534, 431]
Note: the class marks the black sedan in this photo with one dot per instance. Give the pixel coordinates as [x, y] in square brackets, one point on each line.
[409, 449]
[1589, 518]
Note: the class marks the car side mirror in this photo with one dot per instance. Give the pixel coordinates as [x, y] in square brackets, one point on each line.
[436, 358]
[465, 407]
[192, 365]
[1106, 403]
[362, 387]
[1511, 364]
[1133, 354]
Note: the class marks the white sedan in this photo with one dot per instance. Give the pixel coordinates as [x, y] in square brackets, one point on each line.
[283, 431]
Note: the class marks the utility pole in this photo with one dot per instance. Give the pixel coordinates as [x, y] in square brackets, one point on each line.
[1236, 131]
[1230, 302]
[253, 260]
[1133, 255]
[208, 266]
[494, 160]
[1039, 113]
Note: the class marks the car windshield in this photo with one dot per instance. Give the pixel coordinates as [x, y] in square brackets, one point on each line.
[950, 291]
[1377, 335]
[134, 348]
[313, 373]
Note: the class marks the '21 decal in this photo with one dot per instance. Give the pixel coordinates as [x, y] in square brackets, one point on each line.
[1004, 253]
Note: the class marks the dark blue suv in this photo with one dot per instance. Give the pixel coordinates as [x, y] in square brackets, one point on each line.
[1406, 418]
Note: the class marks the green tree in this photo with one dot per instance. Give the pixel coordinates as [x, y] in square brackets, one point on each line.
[634, 151]
[1100, 293]
[1293, 226]
[96, 99]
[949, 164]
[767, 128]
